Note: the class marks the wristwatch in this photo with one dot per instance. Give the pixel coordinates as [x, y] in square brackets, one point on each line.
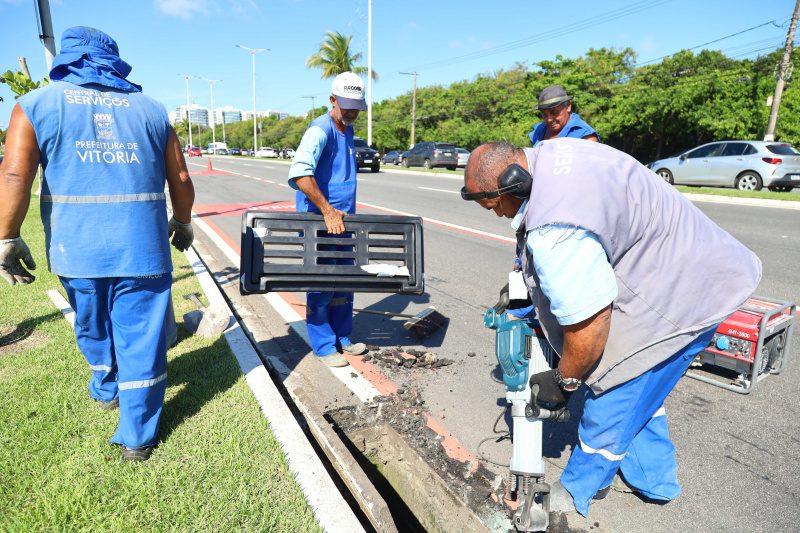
[567, 384]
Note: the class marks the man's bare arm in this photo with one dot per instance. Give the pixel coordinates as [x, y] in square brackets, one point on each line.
[584, 343]
[17, 172]
[333, 217]
[181, 189]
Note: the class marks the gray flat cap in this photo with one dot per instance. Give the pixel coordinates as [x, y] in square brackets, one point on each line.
[552, 96]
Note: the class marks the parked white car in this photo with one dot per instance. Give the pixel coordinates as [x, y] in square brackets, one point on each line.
[266, 151]
[745, 165]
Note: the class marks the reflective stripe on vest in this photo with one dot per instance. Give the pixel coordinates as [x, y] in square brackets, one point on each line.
[105, 199]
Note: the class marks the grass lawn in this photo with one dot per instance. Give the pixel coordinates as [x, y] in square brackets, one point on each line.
[217, 468]
[764, 193]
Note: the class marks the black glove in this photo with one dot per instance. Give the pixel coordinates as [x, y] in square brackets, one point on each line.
[546, 393]
[502, 301]
[182, 234]
[13, 254]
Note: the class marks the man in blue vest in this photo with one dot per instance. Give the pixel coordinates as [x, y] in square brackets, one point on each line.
[106, 150]
[324, 174]
[558, 120]
[630, 281]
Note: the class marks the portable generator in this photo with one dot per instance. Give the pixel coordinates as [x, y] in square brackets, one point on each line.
[754, 342]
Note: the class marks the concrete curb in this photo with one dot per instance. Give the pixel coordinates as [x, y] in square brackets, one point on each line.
[730, 200]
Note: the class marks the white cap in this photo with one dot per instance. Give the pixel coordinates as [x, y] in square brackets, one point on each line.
[349, 91]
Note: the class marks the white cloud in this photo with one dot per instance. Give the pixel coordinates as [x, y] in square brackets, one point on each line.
[186, 9]
[180, 8]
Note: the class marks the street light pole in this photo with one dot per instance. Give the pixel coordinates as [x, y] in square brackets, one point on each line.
[369, 73]
[188, 108]
[414, 103]
[213, 116]
[253, 52]
[783, 70]
[46, 32]
[311, 114]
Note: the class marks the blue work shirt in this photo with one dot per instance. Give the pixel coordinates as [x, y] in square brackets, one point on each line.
[329, 156]
[575, 127]
[573, 269]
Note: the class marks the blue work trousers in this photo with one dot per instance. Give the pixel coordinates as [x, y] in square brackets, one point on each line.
[625, 429]
[329, 315]
[120, 329]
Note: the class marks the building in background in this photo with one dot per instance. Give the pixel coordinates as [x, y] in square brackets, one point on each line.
[200, 115]
[248, 115]
[227, 115]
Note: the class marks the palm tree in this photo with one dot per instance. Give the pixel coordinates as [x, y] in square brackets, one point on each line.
[334, 57]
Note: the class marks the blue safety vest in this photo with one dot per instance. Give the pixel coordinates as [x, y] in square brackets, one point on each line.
[335, 172]
[103, 203]
[575, 127]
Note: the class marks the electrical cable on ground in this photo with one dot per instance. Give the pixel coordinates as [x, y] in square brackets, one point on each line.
[504, 435]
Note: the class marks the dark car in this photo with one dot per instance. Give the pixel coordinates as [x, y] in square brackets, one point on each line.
[366, 156]
[402, 157]
[432, 155]
[235, 151]
[391, 158]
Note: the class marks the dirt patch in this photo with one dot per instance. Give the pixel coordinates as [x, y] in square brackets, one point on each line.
[479, 489]
[17, 339]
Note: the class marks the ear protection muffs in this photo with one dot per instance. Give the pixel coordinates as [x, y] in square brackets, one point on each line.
[514, 180]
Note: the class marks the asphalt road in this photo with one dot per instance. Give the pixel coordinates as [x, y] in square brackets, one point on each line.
[738, 456]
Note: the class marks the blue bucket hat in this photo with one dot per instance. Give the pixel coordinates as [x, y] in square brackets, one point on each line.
[91, 56]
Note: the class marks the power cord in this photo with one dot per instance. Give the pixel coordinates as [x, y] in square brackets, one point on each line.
[504, 435]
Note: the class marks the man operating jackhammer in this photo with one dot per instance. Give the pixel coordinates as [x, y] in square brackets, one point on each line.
[629, 281]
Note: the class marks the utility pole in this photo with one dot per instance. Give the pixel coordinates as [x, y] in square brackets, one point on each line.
[46, 32]
[311, 114]
[188, 108]
[783, 72]
[213, 116]
[253, 52]
[369, 72]
[414, 102]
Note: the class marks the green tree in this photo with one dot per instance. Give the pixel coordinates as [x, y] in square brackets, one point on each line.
[334, 57]
[19, 83]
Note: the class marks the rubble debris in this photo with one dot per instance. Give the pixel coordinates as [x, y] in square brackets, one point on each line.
[400, 357]
[405, 413]
[471, 354]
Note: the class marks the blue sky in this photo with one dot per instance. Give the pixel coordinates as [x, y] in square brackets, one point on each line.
[445, 41]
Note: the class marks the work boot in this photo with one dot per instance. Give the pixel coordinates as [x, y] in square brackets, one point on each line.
[108, 406]
[136, 455]
[334, 360]
[357, 348]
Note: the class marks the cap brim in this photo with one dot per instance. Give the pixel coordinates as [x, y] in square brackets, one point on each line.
[351, 103]
[547, 104]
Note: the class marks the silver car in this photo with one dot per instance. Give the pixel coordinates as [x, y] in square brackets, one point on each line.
[463, 157]
[745, 165]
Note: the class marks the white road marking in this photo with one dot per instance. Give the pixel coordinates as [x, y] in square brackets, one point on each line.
[270, 181]
[437, 190]
[283, 185]
[445, 224]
